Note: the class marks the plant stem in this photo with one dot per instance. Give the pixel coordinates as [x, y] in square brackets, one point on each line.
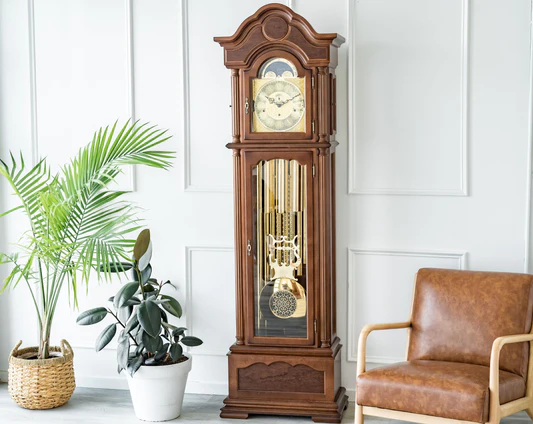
[44, 345]
[123, 326]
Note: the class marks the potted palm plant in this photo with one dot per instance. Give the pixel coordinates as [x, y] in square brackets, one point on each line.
[77, 226]
[149, 346]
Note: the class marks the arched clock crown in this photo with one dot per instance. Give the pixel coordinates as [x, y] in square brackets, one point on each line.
[283, 143]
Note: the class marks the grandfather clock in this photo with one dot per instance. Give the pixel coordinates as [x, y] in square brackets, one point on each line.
[286, 358]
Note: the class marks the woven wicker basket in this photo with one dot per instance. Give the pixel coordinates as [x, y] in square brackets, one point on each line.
[41, 383]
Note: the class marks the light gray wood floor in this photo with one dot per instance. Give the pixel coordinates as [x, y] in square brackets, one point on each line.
[114, 406]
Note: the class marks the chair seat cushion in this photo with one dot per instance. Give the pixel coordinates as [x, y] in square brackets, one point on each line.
[444, 389]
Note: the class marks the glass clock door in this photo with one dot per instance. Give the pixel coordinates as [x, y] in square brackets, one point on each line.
[279, 262]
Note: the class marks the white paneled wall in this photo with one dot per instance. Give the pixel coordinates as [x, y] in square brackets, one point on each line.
[433, 163]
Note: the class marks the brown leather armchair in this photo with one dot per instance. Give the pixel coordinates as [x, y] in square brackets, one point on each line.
[468, 358]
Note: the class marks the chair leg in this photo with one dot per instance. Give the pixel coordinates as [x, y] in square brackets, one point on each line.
[530, 412]
[359, 418]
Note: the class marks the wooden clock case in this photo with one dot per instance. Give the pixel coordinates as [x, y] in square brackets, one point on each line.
[280, 375]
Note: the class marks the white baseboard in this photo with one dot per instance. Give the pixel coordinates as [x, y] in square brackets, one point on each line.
[351, 394]
[207, 387]
[118, 382]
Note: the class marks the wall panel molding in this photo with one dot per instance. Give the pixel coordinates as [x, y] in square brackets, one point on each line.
[458, 258]
[353, 187]
[189, 271]
[33, 83]
[529, 173]
[130, 57]
[187, 154]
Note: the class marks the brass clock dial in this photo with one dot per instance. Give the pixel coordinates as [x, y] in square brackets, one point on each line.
[279, 105]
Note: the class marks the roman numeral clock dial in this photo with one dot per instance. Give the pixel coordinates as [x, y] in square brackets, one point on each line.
[279, 106]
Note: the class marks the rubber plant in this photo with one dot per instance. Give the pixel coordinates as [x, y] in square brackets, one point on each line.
[141, 311]
[78, 225]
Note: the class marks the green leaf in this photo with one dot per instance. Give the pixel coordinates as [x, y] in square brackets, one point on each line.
[105, 337]
[134, 365]
[168, 326]
[176, 351]
[148, 288]
[132, 302]
[178, 331]
[144, 274]
[132, 323]
[123, 351]
[149, 316]
[161, 352]
[191, 341]
[151, 343]
[92, 316]
[172, 307]
[124, 313]
[126, 292]
[139, 349]
[117, 267]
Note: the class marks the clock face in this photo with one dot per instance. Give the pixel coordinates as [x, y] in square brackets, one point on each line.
[278, 98]
[279, 105]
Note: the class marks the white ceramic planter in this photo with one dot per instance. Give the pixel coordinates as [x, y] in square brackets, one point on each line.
[157, 391]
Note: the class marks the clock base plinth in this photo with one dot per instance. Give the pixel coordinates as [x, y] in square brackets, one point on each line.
[304, 383]
[319, 412]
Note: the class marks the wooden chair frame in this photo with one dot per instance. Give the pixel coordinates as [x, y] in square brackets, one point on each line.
[496, 411]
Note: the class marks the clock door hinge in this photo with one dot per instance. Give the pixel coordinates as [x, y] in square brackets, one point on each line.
[314, 172]
[312, 82]
[315, 325]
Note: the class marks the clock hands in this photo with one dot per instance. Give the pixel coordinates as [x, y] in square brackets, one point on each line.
[281, 102]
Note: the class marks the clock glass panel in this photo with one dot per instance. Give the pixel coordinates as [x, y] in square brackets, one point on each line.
[278, 98]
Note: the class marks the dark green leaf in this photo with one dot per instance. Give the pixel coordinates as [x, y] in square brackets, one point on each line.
[132, 323]
[134, 365]
[125, 293]
[176, 351]
[164, 315]
[147, 288]
[149, 316]
[168, 326]
[150, 343]
[92, 316]
[132, 302]
[179, 331]
[105, 337]
[111, 299]
[162, 352]
[144, 274]
[191, 341]
[117, 267]
[173, 306]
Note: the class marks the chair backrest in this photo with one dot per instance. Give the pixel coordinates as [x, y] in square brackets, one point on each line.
[457, 315]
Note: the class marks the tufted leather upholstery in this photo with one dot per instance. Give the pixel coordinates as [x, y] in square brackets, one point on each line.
[458, 314]
[444, 389]
[456, 317]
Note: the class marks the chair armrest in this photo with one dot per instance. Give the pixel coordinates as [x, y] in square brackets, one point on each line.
[494, 382]
[367, 329]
